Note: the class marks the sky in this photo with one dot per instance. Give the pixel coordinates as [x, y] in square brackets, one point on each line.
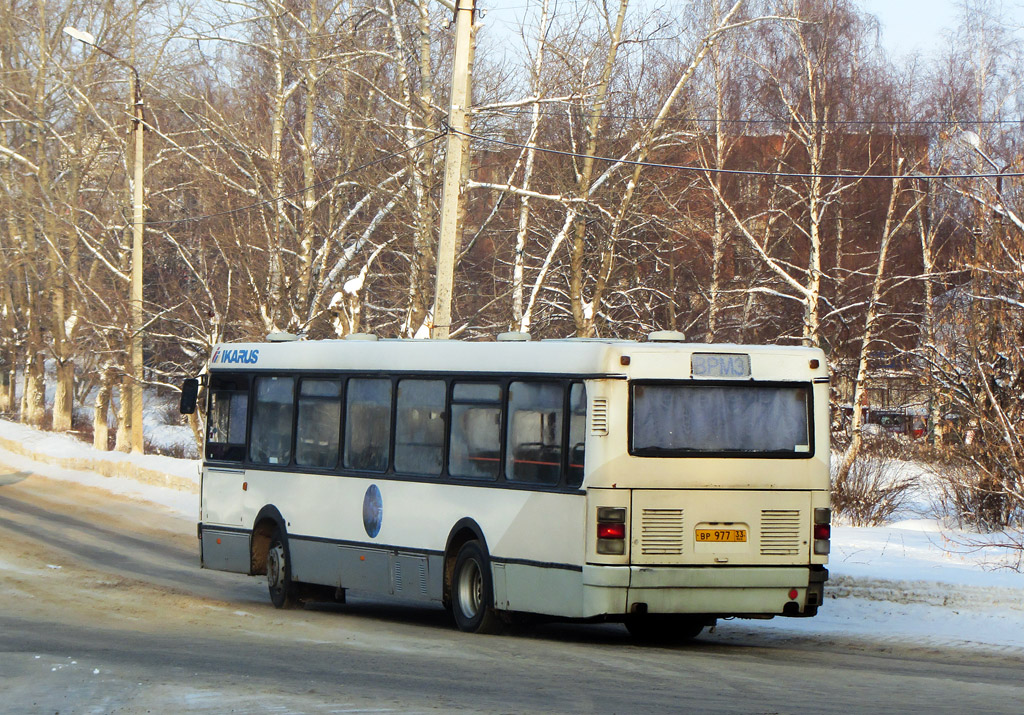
[908, 26]
[913, 25]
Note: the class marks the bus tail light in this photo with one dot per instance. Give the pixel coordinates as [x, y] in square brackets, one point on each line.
[611, 530]
[822, 531]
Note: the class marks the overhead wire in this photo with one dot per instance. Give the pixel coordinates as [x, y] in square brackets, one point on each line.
[738, 172]
[579, 155]
[750, 120]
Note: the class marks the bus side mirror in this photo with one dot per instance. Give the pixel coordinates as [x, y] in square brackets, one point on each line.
[189, 394]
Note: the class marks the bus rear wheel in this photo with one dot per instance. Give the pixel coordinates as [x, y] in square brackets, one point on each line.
[472, 591]
[283, 592]
[664, 628]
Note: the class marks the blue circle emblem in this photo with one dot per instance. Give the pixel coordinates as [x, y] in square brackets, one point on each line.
[373, 511]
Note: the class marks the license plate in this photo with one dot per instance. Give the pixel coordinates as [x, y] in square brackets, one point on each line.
[721, 535]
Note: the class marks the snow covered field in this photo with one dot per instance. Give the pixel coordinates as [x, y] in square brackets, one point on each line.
[907, 581]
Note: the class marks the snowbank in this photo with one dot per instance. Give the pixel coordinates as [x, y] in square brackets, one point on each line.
[173, 483]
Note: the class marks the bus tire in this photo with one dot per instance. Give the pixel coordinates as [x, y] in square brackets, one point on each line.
[472, 591]
[667, 628]
[283, 592]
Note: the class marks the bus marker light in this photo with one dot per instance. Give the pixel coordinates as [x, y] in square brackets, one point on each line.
[793, 593]
[218, 540]
[611, 514]
[612, 547]
[362, 558]
[245, 486]
[822, 531]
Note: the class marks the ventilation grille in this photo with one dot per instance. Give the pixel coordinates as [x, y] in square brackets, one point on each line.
[661, 531]
[422, 577]
[780, 532]
[417, 569]
[599, 417]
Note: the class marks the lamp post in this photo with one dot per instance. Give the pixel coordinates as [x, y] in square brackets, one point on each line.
[135, 289]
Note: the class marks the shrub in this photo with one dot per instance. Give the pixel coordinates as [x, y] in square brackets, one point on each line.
[972, 496]
[873, 490]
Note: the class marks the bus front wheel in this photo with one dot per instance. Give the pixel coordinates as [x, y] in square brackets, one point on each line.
[279, 573]
[472, 591]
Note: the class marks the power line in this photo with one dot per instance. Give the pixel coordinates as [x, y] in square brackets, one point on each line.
[317, 185]
[742, 172]
[819, 122]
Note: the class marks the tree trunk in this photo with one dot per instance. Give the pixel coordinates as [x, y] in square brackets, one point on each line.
[123, 442]
[101, 410]
[33, 397]
[64, 396]
[868, 338]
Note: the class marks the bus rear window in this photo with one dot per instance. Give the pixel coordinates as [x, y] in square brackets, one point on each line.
[689, 419]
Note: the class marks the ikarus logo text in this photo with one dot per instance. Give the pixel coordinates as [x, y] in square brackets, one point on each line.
[244, 357]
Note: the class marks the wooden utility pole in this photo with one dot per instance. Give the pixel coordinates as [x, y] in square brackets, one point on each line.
[455, 161]
[138, 223]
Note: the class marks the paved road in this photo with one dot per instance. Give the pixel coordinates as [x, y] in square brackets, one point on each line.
[104, 609]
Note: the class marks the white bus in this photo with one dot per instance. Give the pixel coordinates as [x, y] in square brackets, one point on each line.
[660, 484]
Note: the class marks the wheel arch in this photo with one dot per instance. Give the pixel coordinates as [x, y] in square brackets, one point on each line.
[465, 529]
[267, 521]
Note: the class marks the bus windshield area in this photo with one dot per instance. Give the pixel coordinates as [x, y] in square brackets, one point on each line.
[713, 419]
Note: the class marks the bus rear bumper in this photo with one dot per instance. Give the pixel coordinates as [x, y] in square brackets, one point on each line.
[711, 590]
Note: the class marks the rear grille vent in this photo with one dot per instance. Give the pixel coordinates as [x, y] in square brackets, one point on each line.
[599, 417]
[780, 532]
[661, 531]
[423, 577]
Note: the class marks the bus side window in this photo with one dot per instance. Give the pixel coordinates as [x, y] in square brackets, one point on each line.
[319, 423]
[475, 450]
[577, 432]
[368, 424]
[229, 409]
[271, 439]
[419, 427]
[534, 452]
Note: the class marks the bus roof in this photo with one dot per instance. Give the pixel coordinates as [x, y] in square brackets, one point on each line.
[592, 357]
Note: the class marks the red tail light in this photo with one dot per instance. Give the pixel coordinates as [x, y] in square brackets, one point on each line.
[611, 531]
[822, 531]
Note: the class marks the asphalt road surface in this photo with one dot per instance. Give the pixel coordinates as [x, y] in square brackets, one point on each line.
[103, 609]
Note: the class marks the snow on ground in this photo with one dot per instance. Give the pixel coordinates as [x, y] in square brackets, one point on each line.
[185, 502]
[909, 581]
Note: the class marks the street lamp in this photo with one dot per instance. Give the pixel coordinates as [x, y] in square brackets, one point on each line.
[972, 140]
[135, 289]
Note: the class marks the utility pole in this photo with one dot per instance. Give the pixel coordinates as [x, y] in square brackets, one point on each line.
[454, 167]
[138, 445]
